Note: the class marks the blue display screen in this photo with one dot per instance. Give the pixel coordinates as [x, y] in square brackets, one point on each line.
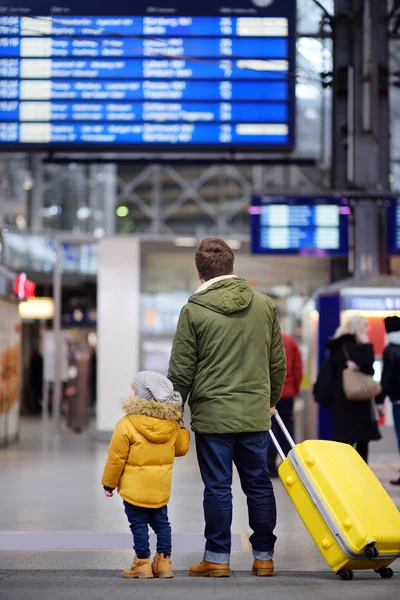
[99, 74]
[393, 226]
[309, 226]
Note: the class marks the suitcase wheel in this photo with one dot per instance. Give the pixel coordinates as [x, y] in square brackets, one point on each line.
[346, 575]
[386, 573]
[371, 552]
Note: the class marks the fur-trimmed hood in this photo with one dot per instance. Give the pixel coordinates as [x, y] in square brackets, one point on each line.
[155, 421]
[151, 408]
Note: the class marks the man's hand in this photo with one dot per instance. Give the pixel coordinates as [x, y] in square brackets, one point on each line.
[181, 424]
[272, 411]
[109, 494]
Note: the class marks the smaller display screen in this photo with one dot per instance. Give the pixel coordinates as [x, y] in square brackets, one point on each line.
[317, 226]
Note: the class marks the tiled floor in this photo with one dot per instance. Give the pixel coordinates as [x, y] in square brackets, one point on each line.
[53, 514]
[105, 585]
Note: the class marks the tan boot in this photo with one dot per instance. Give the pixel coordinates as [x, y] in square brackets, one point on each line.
[162, 567]
[263, 568]
[140, 569]
[209, 569]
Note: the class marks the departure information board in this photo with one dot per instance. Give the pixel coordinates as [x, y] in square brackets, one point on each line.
[393, 226]
[203, 74]
[314, 226]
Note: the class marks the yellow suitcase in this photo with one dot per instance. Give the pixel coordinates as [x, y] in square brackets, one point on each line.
[347, 511]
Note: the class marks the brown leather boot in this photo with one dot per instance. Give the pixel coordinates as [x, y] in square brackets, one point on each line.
[263, 568]
[209, 569]
[162, 567]
[140, 569]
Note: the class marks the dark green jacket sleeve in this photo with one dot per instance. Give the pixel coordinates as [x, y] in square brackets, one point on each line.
[183, 361]
[277, 365]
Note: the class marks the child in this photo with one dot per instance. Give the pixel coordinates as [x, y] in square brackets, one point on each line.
[140, 458]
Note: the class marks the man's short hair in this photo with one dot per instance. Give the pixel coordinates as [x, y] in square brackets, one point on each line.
[214, 258]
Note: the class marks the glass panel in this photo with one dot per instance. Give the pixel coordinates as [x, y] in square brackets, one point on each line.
[38, 253]
[314, 104]
[160, 312]
[15, 182]
[309, 15]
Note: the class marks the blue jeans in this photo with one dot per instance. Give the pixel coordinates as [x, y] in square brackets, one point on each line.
[249, 452]
[396, 419]
[139, 520]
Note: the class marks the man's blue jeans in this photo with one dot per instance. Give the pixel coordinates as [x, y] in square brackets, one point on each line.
[249, 452]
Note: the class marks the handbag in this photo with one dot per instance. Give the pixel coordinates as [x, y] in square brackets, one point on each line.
[358, 386]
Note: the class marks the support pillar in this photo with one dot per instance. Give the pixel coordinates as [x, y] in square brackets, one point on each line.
[57, 297]
[360, 140]
[110, 197]
[36, 193]
[103, 197]
[118, 309]
[361, 119]
[2, 193]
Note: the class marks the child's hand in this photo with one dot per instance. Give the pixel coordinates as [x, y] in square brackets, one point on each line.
[108, 493]
[181, 424]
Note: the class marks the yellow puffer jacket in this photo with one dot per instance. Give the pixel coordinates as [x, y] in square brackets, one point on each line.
[142, 451]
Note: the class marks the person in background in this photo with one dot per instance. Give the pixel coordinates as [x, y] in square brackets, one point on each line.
[229, 356]
[353, 423]
[36, 381]
[391, 375]
[140, 458]
[291, 389]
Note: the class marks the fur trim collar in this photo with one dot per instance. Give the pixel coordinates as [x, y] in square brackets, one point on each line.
[204, 286]
[151, 408]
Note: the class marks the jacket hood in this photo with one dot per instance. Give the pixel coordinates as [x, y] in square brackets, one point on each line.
[334, 344]
[226, 296]
[155, 421]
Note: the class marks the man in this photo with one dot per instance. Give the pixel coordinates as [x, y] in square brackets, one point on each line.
[391, 375]
[228, 354]
[291, 389]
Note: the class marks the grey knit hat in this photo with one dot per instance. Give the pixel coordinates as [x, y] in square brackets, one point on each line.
[153, 386]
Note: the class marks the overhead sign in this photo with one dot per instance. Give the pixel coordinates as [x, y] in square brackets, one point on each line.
[308, 226]
[202, 74]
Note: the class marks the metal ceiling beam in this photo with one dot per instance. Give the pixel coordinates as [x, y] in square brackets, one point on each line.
[187, 159]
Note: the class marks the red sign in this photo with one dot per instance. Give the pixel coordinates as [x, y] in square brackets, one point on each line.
[24, 288]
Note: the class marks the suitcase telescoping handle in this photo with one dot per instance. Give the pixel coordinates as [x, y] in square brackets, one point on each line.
[285, 433]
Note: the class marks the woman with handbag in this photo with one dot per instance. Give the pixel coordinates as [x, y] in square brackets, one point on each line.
[353, 407]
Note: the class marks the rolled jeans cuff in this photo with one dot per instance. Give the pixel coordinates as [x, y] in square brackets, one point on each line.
[215, 557]
[263, 555]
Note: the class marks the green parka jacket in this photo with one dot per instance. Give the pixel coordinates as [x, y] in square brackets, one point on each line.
[229, 356]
